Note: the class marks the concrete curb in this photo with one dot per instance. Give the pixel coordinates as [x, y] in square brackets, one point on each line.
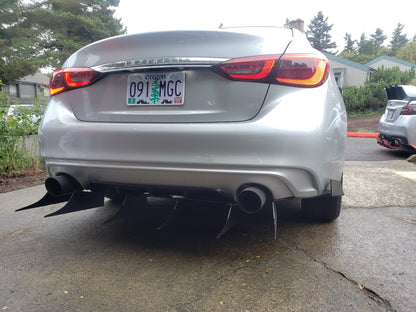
[362, 135]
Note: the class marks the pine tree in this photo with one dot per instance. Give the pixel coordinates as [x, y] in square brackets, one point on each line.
[318, 33]
[349, 44]
[398, 39]
[17, 44]
[45, 33]
[68, 25]
[378, 39]
[365, 46]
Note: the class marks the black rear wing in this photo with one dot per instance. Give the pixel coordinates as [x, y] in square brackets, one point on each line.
[401, 92]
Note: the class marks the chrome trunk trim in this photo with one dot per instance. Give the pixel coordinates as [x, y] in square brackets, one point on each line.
[159, 62]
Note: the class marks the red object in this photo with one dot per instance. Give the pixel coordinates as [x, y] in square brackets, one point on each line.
[362, 135]
[303, 70]
[71, 78]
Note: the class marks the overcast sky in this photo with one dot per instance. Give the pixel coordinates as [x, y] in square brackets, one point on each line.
[352, 16]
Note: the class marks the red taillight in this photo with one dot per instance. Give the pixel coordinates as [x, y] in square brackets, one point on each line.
[71, 78]
[250, 68]
[306, 70]
[408, 110]
[302, 70]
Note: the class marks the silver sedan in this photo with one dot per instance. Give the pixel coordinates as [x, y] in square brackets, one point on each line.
[248, 116]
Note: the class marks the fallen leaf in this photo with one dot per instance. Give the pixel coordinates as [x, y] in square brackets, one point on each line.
[82, 297]
[65, 291]
[4, 308]
[221, 302]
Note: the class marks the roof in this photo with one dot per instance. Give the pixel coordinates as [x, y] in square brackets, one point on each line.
[338, 59]
[392, 59]
[37, 78]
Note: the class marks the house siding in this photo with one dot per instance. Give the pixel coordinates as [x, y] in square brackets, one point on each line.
[390, 62]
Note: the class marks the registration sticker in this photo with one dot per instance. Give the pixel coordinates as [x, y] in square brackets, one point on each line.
[156, 89]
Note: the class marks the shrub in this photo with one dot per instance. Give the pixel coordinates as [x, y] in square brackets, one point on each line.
[371, 96]
[17, 154]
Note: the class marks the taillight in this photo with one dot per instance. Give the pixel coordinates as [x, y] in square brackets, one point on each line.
[305, 70]
[408, 110]
[302, 70]
[71, 78]
[255, 68]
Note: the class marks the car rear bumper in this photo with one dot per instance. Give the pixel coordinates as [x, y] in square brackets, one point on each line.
[398, 132]
[299, 162]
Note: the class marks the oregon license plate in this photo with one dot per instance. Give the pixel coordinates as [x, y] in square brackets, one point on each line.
[156, 89]
[390, 114]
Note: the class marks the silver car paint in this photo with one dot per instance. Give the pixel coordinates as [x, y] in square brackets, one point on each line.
[292, 142]
[397, 125]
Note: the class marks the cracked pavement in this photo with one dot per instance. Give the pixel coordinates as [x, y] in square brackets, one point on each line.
[364, 261]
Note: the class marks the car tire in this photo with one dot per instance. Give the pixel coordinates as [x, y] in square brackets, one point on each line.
[321, 209]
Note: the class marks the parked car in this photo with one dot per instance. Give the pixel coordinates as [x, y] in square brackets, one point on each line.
[248, 116]
[397, 127]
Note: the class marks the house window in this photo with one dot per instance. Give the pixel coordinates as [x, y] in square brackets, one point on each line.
[338, 79]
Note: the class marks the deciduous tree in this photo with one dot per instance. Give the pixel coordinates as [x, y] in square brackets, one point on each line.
[407, 52]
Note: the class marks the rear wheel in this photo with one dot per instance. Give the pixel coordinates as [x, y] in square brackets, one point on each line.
[321, 209]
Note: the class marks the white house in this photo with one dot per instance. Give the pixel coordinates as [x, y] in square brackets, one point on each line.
[348, 73]
[27, 88]
[389, 62]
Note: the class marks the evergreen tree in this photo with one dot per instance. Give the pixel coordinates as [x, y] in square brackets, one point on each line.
[349, 44]
[398, 39]
[68, 25]
[377, 39]
[45, 33]
[16, 43]
[365, 46]
[318, 33]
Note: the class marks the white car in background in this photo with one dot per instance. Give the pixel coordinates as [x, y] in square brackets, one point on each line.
[397, 127]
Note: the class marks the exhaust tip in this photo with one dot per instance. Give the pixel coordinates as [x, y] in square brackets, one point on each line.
[251, 199]
[62, 184]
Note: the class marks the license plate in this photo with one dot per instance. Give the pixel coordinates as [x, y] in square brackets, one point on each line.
[390, 114]
[156, 89]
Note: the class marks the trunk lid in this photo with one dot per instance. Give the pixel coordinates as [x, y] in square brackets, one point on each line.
[166, 76]
[398, 97]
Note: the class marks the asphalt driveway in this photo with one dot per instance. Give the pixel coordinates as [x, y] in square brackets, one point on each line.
[364, 261]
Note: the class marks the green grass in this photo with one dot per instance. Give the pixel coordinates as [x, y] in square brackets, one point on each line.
[360, 130]
[368, 112]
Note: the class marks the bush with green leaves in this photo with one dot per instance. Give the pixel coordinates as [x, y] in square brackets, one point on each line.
[18, 153]
[371, 97]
